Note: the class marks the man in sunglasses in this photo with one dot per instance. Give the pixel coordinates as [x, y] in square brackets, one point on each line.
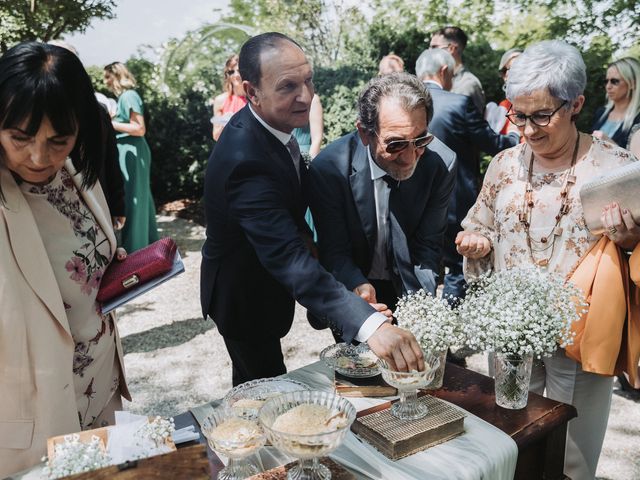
[379, 195]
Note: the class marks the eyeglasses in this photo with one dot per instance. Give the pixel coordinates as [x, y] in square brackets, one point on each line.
[231, 72]
[442, 45]
[397, 146]
[614, 81]
[539, 119]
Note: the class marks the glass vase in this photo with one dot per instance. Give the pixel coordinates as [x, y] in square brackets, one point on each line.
[512, 376]
[436, 383]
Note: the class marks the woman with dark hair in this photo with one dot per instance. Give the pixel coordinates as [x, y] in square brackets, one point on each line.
[231, 100]
[140, 228]
[61, 367]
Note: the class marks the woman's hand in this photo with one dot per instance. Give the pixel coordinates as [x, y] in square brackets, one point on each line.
[602, 136]
[620, 226]
[472, 245]
[121, 254]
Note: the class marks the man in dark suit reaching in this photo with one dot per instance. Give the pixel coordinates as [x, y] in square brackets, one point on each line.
[379, 195]
[256, 259]
[458, 123]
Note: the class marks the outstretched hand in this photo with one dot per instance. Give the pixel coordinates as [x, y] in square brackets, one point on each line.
[398, 347]
[472, 245]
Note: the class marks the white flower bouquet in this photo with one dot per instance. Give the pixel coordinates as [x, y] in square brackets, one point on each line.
[521, 311]
[432, 321]
[435, 325]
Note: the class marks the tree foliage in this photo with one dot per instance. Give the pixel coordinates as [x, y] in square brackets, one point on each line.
[44, 20]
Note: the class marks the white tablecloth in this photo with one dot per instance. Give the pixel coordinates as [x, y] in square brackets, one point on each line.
[481, 452]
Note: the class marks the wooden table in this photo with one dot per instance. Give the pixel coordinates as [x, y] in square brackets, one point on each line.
[539, 430]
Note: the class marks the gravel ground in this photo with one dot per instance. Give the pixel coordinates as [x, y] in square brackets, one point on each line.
[174, 359]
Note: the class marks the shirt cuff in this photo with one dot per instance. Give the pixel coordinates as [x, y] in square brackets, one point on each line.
[370, 325]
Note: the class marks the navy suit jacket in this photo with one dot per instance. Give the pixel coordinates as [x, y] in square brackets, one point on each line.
[344, 212]
[255, 261]
[458, 123]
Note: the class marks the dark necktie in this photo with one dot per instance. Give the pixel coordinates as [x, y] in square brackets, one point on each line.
[392, 182]
[294, 149]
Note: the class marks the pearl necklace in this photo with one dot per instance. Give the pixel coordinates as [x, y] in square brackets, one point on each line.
[547, 242]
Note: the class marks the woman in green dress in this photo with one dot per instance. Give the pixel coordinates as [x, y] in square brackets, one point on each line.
[135, 159]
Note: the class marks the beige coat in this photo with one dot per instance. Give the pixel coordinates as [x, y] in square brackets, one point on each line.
[37, 395]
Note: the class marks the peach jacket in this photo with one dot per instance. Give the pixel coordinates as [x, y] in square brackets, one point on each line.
[607, 338]
[37, 396]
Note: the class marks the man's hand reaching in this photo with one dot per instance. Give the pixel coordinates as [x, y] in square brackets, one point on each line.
[398, 347]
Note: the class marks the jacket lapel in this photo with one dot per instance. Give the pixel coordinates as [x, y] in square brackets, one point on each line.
[362, 189]
[29, 250]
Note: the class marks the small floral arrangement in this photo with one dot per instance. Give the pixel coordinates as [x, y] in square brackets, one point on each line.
[432, 321]
[156, 431]
[521, 311]
[73, 456]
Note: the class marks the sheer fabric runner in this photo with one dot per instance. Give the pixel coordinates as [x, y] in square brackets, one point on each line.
[483, 451]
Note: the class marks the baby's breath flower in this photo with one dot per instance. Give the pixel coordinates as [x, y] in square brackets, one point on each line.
[519, 311]
[71, 456]
[431, 320]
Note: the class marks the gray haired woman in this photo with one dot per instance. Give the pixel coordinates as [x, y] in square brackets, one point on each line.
[529, 212]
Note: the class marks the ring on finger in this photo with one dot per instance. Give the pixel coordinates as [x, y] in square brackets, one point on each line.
[613, 230]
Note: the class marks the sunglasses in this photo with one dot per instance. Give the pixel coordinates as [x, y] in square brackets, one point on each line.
[397, 146]
[442, 45]
[614, 81]
[539, 119]
[231, 72]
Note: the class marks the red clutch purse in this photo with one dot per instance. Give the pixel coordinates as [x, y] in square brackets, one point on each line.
[138, 268]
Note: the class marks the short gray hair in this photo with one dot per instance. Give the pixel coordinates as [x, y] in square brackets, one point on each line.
[551, 65]
[406, 88]
[430, 61]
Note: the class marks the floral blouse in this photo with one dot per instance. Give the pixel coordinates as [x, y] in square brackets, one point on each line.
[79, 253]
[496, 211]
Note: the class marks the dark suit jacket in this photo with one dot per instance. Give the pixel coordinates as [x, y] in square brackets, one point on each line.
[459, 124]
[254, 260]
[621, 137]
[343, 206]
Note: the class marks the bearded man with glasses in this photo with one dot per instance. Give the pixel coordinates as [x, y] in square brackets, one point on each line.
[379, 195]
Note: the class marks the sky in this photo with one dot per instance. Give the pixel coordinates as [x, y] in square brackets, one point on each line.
[141, 22]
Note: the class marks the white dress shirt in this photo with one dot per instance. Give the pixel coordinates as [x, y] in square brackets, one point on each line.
[281, 136]
[376, 319]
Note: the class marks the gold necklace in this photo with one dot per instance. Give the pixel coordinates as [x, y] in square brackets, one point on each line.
[546, 243]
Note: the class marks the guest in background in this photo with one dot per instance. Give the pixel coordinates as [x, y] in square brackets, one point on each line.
[622, 85]
[389, 64]
[231, 100]
[506, 61]
[460, 126]
[61, 367]
[309, 139]
[110, 176]
[135, 159]
[529, 213]
[454, 40]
